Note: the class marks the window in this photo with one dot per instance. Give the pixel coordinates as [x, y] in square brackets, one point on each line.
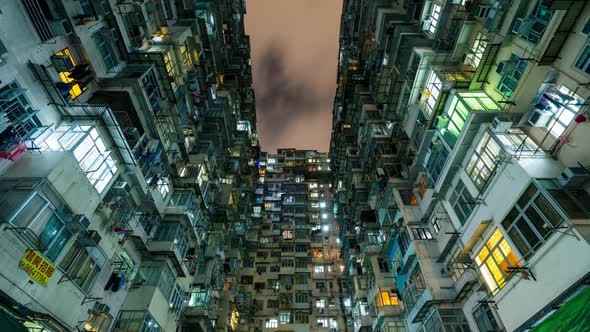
[163, 187]
[82, 265]
[301, 263]
[287, 263]
[185, 56]
[98, 322]
[431, 93]
[462, 202]
[36, 213]
[301, 297]
[531, 220]
[89, 150]
[485, 319]
[452, 122]
[483, 161]
[150, 86]
[320, 303]
[318, 269]
[434, 17]
[271, 323]
[495, 260]
[301, 317]
[287, 234]
[511, 73]
[421, 233]
[75, 89]
[582, 63]
[322, 322]
[301, 279]
[386, 298]
[556, 109]
[394, 326]
[383, 265]
[199, 297]
[272, 304]
[170, 68]
[261, 269]
[104, 48]
[285, 317]
[18, 111]
[136, 321]
[477, 50]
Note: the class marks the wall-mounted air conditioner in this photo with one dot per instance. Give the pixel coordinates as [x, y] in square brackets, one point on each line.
[540, 118]
[121, 188]
[501, 124]
[573, 177]
[426, 24]
[517, 25]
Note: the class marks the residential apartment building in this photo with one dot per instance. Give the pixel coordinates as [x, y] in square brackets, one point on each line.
[128, 153]
[460, 159]
[290, 280]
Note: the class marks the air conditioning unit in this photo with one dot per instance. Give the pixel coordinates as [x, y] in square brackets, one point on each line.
[573, 177]
[501, 124]
[100, 308]
[426, 24]
[517, 25]
[121, 188]
[441, 121]
[90, 239]
[78, 224]
[540, 118]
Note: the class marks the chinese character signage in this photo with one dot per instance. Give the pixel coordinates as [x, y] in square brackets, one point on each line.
[37, 266]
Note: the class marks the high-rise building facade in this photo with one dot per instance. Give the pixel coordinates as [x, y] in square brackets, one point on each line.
[460, 159]
[290, 280]
[128, 153]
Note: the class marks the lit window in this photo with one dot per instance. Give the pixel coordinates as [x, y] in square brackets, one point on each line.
[318, 269]
[98, 322]
[495, 260]
[288, 234]
[386, 298]
[75, 89]
[483, 161]
[170, 68]
[89, 150]
[163, 187]
[322, 322]
[271, 323]
[431, 93]
[285, 317]
[434, 17]
[314, 195]
[477, 50]
[556, 109]
[320, 303]
[322, 205]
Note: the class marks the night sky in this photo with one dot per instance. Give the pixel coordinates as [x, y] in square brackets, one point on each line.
[294, 61]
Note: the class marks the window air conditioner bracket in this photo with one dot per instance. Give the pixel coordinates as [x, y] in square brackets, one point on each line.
[88, 299]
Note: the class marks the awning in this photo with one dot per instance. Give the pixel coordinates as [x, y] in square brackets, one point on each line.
[572, 316]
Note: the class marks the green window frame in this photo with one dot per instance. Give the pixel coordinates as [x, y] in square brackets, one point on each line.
[513, 71]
